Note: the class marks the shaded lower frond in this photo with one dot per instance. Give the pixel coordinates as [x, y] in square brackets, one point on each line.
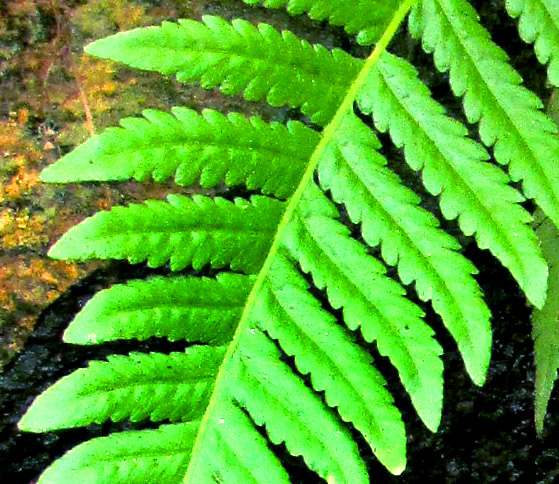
[209, 147]
[238, 453]
[336, 364]
[133, 457]
[292, 414]
[539, 24]
[371, 302]
[367, 19]
[190, 308]
[545, 323]
[510, 116]
[139, 386]
[182, 230]
[239, 58]
[390, 215]
[454, 167]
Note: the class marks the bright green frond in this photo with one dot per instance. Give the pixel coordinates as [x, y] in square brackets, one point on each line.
[510, 117]
[454, 167]
[373, 303]
[183, 230]
[539, 24]
[236, 451]
[209, 147]
[409, 236]
[545, 324]
[336, 364]
[368, 19]
[277, 399]
[239, 58]
[190, 308]
[133, 457]
[155, 386]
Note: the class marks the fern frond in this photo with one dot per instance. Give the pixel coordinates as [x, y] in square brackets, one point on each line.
[539, 24]
[366, 19]
[545, 323]
[291, 413]
[409, 236]
[510, 117]
[337, 263]
[336, 364]
[132, 457]
[235, 442]
[183, 230]
[454, 167]
[208, 147]
[190, 308]
[139, 386]
[239, 58]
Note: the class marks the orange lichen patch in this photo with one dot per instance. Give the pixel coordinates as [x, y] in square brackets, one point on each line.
[27, 285]
[22, 230]
[22, 183]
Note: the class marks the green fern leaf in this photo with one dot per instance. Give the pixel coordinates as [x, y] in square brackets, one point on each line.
[155, 386]
[337, 366]
[366, 20]
[235, 442]
[209, 147]
[454, 167]
[288, 373]
[389, 215]
[193, 309]
[184, 231]
[510, 117]
[267, 388]
[545, 324]
[539, 24]
[337, 263]
[239, 58]
[133, 457]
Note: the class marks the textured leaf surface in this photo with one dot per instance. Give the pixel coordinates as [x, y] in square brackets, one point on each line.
[296, 374]
[377, 307]
[454, 167]
[336, 364]
[367, 19]
[139, 386]
[133, 457]
[389, 214]
[545, 324]
[234, 442]
[208, 147]
[509, 116]
[539, 24]
[239, 58]
[193, 309]
[185, 231]
[268, 389]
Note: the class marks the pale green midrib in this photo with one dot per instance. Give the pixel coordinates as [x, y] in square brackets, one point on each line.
[269, 63]
[535, 166]
[147, 306]
[110, 457]
[157, 380]
[503, 236]
[327, 133]
[225, 146]
[182, 231]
